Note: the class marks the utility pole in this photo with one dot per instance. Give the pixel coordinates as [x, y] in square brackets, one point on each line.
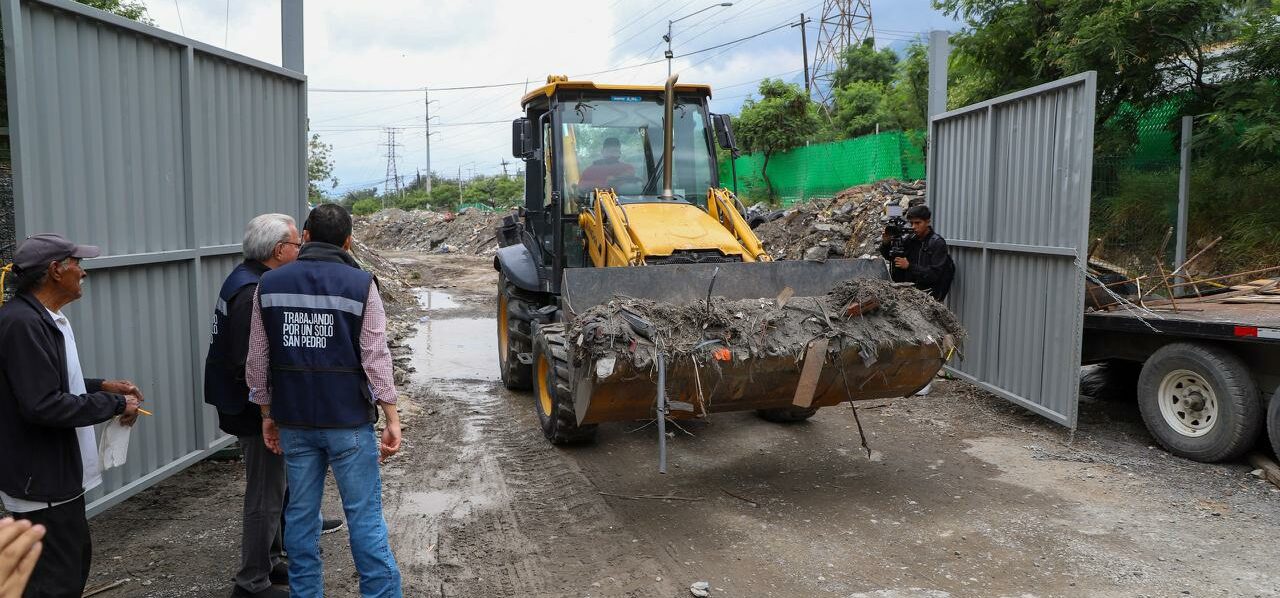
[459, 184]
[939, 53]
[504, 167]
[804, 51]
[392, 180]
[426, 120]
[667, 37]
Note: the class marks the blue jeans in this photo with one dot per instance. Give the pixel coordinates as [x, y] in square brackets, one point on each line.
[353, 455]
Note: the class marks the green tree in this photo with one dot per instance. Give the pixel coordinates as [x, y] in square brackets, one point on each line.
[781, 119]
[319, 167]
[366, 206]
[1142, 50]
[865, 63]
[859, 108]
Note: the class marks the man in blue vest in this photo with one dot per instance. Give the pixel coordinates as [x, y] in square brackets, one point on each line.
[319, 368]
[270, 241]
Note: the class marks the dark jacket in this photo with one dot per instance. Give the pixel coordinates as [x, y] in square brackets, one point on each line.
[313, 313]
[38, 414]
[930, 267]
[247, 420]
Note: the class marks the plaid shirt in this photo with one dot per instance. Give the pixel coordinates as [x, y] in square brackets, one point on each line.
[375, 357]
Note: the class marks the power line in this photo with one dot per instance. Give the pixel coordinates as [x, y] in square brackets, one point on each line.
[495, 85]
[179, 9]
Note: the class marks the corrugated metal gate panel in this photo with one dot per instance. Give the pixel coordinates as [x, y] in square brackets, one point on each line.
[1009, 182]
[158, 149]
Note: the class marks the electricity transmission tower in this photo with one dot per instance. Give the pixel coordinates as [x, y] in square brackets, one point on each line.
[392, 182]
[844, 24]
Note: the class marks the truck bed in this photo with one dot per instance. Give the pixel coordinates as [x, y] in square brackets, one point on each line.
[1197, 318]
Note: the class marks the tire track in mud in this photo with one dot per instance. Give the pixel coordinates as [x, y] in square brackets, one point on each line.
[484, 505]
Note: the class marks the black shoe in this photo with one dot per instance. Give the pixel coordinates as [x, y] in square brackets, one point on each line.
[328, 526]
[270, 592]
[280, 574]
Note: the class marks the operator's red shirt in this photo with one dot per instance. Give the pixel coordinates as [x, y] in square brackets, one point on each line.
[600, 171]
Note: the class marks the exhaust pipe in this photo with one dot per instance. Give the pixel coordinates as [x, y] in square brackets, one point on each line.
[667, 117]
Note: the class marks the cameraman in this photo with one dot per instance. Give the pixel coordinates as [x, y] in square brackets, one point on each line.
[926, 263]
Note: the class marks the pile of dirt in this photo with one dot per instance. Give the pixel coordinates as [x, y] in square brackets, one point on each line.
[470, 231]
[847, 225]
[765, 327]
[399, 301]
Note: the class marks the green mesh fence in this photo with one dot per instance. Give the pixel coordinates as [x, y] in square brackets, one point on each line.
[822, 170]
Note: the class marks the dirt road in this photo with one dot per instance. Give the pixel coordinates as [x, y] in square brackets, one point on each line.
[963, 495]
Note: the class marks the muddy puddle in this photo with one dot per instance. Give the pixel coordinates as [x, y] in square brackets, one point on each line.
[452, 348]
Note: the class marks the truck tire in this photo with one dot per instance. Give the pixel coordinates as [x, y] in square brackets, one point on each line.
[515, 336]
[1199, 402]
[786, 415]
[1273, 423]
[553, 389]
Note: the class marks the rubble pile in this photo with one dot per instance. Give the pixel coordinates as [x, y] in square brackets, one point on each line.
[398, 300]
[750, 328]
[470, 231]
[847, 225]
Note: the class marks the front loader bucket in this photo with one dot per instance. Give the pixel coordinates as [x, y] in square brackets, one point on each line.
[827, 371]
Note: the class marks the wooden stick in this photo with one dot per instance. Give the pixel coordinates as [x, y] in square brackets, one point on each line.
[753, 503]
[651, 497]
[1270, 470]
[98, 589]
[1226, 276]
[1196, 256]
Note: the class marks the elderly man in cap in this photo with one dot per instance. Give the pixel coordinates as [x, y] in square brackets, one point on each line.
[48, 409]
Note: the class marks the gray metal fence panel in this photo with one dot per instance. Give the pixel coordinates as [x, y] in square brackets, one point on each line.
[1009, 180]
[158, 149]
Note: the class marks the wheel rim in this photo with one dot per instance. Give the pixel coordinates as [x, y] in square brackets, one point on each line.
[544, 393]
[1188, 403]
[503, 341]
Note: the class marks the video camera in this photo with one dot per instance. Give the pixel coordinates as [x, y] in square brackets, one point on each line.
[897, 229]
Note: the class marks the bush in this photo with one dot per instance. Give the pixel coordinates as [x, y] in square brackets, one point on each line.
[1134, 207]
[366, 206]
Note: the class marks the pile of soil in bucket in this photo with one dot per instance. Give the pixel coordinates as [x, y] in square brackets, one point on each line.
[895, 315]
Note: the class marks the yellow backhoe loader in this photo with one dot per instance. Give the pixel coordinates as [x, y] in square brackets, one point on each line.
[623, 198]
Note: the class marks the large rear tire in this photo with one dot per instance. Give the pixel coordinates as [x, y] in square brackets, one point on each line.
[786, 415]
[1273, 423]
[515, 336]
[553, 389]
[1199, 402]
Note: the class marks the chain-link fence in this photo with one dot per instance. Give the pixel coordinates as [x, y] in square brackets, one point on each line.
[824, 169]
[7, 225]
[1135, 203]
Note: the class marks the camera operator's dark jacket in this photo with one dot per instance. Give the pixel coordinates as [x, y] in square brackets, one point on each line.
[931, 268]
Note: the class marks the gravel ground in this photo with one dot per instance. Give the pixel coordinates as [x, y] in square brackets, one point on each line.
[962, 495]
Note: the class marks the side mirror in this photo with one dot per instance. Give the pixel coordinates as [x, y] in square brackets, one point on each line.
[521, 138]
[724, 132]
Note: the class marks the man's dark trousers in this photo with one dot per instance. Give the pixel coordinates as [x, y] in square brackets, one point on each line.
[63, 568]
[260, 540]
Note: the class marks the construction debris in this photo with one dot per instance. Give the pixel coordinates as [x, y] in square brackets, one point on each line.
[470, 231]
[761, 327]
[847, 225]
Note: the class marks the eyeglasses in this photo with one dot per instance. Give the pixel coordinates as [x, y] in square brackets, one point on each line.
[298, 245]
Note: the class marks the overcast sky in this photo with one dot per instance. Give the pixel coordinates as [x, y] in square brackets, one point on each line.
[452, 43]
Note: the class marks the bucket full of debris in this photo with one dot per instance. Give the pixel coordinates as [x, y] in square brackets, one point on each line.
[780, 337]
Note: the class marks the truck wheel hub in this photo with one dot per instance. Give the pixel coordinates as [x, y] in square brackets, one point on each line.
[1188, 403]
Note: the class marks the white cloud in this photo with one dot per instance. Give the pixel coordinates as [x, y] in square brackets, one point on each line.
[408, 44]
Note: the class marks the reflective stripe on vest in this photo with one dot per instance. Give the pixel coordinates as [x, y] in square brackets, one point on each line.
[222, 389]
[312, 312]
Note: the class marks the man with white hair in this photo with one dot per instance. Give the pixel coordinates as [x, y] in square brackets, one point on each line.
[270, 241]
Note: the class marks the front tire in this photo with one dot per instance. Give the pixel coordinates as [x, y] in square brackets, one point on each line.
[553, 389]
[514, 336]
[1200, 402]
